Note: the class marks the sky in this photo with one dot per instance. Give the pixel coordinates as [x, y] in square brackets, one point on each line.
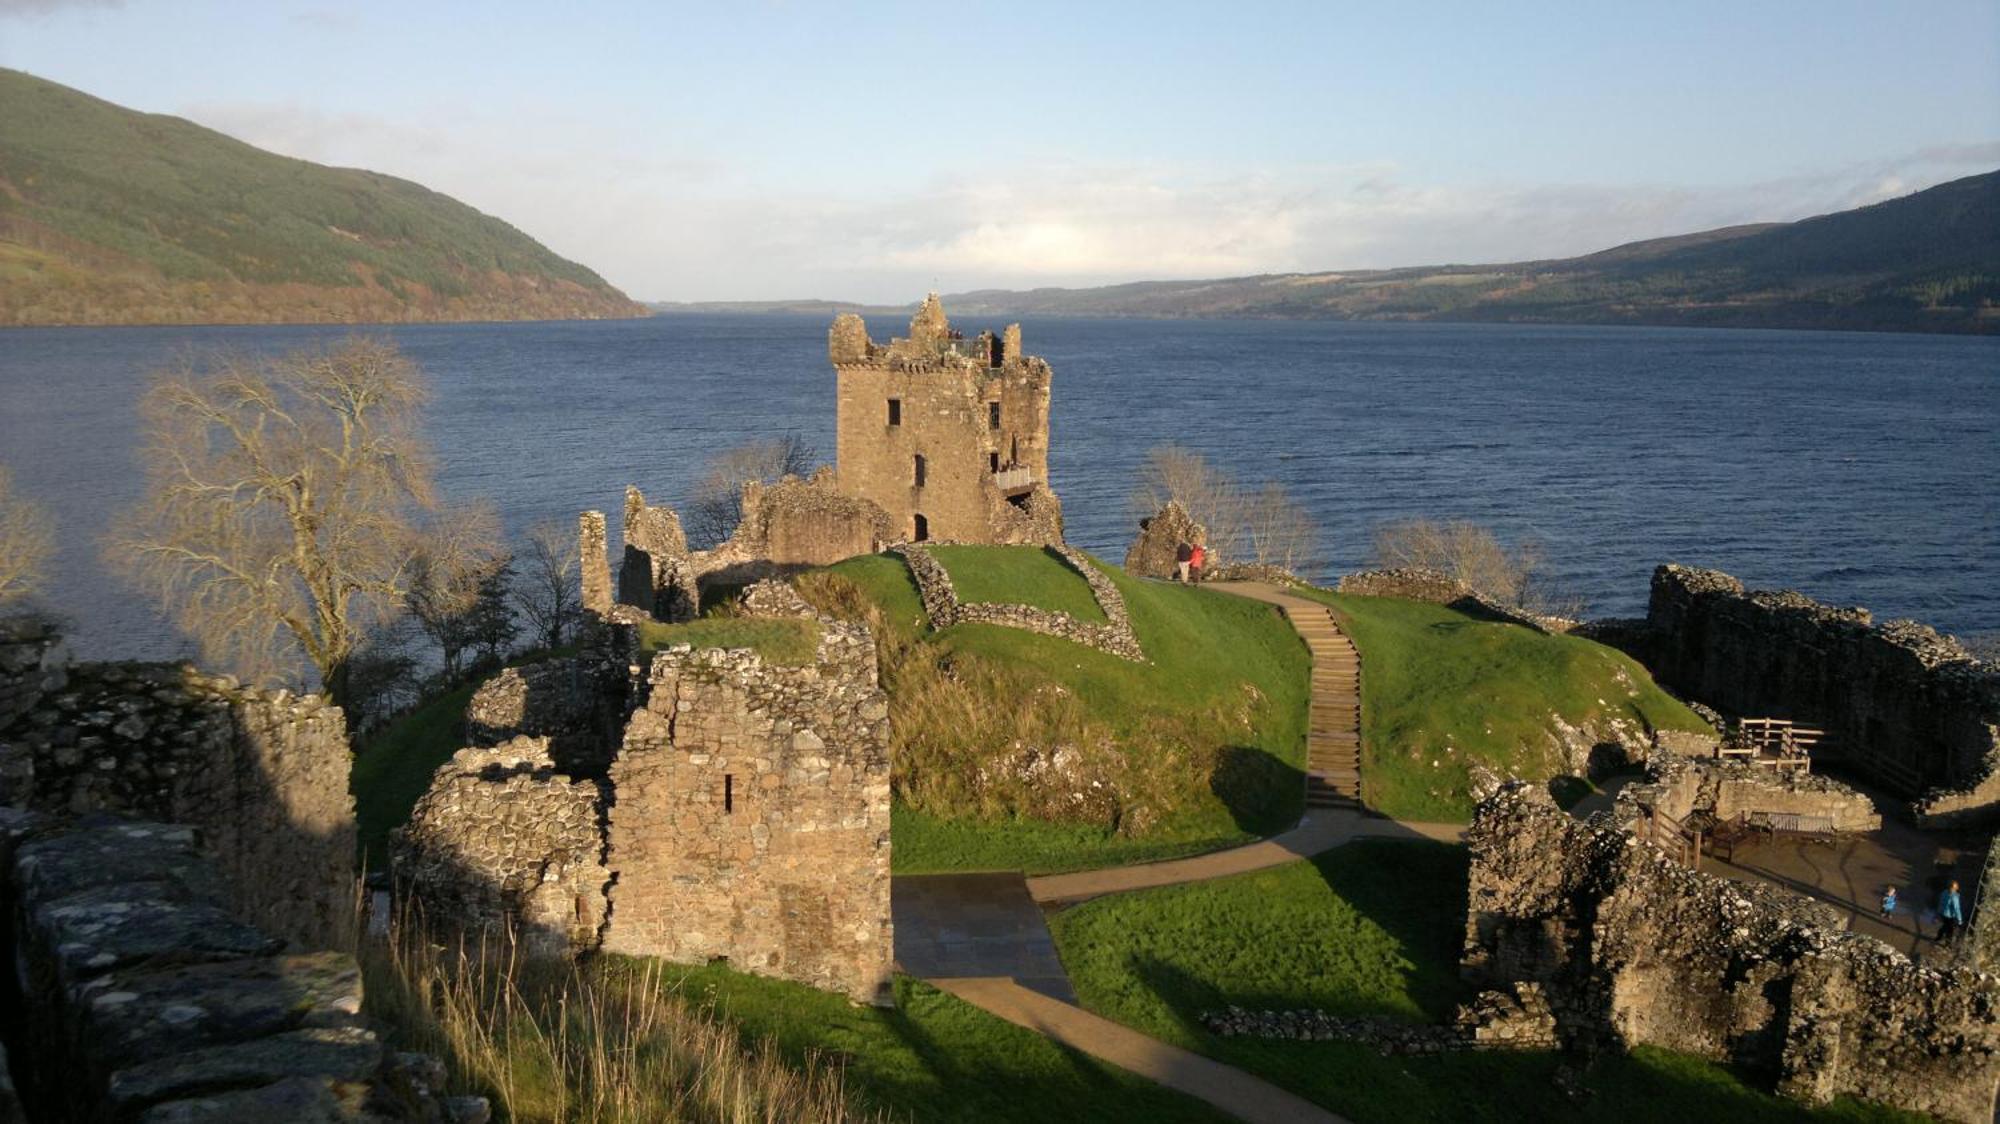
[862, 151]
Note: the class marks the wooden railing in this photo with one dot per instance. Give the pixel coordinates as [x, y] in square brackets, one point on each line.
[1677, 839]
[1777, 742]
[1014, 479]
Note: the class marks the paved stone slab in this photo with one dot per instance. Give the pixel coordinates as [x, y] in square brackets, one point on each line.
[951, 926]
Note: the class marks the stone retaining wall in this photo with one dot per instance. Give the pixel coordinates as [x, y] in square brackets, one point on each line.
[1910, 707]
[577, 703]
[1634, 949]
[263, 774]
[943, 607]
[1982, 943]
[1442, 589]
[145, 998]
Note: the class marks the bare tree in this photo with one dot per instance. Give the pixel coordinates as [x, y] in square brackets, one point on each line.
[286, 498]
[27, 538]
[1210, 497]
[545, 586]
[1278, 531]
[716, 507]
[448, 572]
[1473, 555]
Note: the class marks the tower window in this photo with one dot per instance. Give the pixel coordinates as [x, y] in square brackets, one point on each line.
[993, 415]
[895, 411]
[920, 529]
[729, 792]
[993, 462]
[920, 470]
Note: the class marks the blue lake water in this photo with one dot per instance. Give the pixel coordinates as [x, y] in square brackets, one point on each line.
[1859, 468]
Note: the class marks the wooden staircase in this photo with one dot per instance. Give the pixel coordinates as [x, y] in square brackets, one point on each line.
[1333, 729]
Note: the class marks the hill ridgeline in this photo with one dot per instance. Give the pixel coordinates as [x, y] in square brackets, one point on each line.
[110, 216]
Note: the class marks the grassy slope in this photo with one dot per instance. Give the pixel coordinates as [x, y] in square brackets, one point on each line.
[935, 1057]
[1440, 686]
[1372, 928]
[1010, 575]
[394, 769]
[117, 216]
[788, 643]
[1204, 647]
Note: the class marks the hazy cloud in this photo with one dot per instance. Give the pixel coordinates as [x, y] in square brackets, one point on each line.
[43, 7]
[664, 219]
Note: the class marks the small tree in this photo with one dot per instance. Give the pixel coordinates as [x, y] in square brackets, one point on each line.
[545, 583]
[1476, 558]
[1279, 532]
[27, 538]
[448, 574]
[286, 500]
[716, 507]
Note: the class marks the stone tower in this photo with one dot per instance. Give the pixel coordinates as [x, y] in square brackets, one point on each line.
[949, 435]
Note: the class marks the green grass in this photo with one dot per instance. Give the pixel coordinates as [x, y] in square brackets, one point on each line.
[1441, 690]
[783, 641]
[1011, 575]
[1372, 928]
[1219, 666]
[934, 1057]
[394, 769]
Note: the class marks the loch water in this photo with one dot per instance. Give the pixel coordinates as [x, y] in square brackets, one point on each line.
[1860, 468]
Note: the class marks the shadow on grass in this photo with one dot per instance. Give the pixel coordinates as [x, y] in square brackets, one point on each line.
[1416, 891]
[1263, 794]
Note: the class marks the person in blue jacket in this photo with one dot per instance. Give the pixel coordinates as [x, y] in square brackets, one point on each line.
[1951, 915]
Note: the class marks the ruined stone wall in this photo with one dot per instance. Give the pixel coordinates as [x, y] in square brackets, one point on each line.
[1634, 949]
[810, 523]
[143, 996]
[1900, 702]
[502, 842]
[596, 571]
[1982, 943]
[1725, 789]
[751, 816]
[943, 607]
[1152, 554]
[263, 774]
[946, 395]
[576, 702]
[656, 575]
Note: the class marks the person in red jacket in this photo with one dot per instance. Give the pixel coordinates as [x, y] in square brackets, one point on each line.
[1195, 560]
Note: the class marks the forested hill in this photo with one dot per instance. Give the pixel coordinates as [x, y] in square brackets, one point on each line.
[1925, 262]
[109, 216]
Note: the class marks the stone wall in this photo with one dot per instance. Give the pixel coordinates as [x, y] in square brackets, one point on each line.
[943, 607]
[1909, 707]
[263, 774]
[1982, 943]
[1634, 949]
[656, 576]
[576, 702]
[503, 842]
[971, 409]
[1152, 554]
[751, 817]
[142, 996]
[1441, 589]
[809, 523]
[596, 571]
[1680, 786]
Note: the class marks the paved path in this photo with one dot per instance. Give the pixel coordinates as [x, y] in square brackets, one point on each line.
[970, 926]
[1333, 728]
[1323, 829]
[1226, 1087]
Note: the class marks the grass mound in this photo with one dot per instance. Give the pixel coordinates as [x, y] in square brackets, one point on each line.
[1372, 928]
[1441, 690]
[1012, 575]
[1204, 742]
[782, 641]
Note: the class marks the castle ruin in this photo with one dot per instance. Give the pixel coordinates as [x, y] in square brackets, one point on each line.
[948, 435]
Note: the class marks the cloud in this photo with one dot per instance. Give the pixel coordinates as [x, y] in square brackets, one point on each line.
[44, 7]
[663, 217]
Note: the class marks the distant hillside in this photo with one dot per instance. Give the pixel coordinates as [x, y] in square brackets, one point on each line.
[1925, 262]
[108, 216]
[806, 307]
